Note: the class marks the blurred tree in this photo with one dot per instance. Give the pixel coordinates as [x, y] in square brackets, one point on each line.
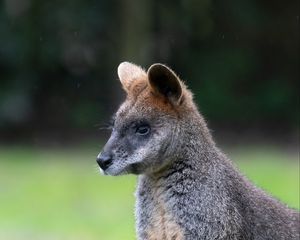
[58, 60]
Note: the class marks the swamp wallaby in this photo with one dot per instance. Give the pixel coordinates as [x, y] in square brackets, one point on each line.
[187, 188]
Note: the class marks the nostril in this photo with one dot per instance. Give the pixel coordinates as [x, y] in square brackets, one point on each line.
[104, 160]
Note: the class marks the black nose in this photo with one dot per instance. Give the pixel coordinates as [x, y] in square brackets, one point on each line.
[104, 160]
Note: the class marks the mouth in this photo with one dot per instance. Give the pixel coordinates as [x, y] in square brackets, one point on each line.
[102, 172]
[115, 168]
[104, 161]
[108, 171]
[113, 171]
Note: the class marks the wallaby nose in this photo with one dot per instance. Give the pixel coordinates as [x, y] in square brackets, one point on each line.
[104, 160]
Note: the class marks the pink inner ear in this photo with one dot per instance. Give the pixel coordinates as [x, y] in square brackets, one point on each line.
[128, 73]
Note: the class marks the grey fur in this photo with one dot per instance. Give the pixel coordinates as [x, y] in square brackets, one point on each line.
[184, 179]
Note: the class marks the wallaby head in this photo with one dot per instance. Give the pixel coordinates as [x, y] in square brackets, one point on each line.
[148, 124]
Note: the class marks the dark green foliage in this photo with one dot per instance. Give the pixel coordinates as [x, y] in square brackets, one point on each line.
[58, 59]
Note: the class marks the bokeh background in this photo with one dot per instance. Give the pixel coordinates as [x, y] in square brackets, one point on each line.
[58, 86]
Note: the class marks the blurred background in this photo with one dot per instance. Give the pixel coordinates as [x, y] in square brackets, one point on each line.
[58, 85]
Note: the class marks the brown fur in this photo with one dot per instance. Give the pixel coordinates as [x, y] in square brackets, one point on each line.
[162, 224]
[141, 92]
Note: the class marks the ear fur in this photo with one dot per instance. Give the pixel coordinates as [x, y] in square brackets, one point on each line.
[163, 81]
[128, 73]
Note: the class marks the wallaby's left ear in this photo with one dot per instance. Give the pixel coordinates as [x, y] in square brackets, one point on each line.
[164, 81]
[130, 76]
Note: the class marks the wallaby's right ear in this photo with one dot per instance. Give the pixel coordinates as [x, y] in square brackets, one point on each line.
[128, 74]
[164, 82]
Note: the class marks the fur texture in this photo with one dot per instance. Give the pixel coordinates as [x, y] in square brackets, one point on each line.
[187, 188]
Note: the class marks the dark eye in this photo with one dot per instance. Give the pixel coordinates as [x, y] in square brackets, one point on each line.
[142, 130]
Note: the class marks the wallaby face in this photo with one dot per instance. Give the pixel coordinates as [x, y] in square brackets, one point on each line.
[146, 125]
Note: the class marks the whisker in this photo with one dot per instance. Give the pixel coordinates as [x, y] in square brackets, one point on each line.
[107, 126]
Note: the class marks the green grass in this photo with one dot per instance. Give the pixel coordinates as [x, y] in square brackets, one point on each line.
[58, 194]
[274, 171]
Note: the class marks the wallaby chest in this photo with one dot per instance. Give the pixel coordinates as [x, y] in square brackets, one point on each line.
[154, 212]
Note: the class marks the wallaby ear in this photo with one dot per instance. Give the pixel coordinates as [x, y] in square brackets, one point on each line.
[128, 73]
[164, 81]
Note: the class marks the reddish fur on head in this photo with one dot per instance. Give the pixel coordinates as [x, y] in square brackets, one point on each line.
[159, 87]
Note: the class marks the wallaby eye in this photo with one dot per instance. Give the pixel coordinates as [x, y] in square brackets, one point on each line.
[142, 130]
